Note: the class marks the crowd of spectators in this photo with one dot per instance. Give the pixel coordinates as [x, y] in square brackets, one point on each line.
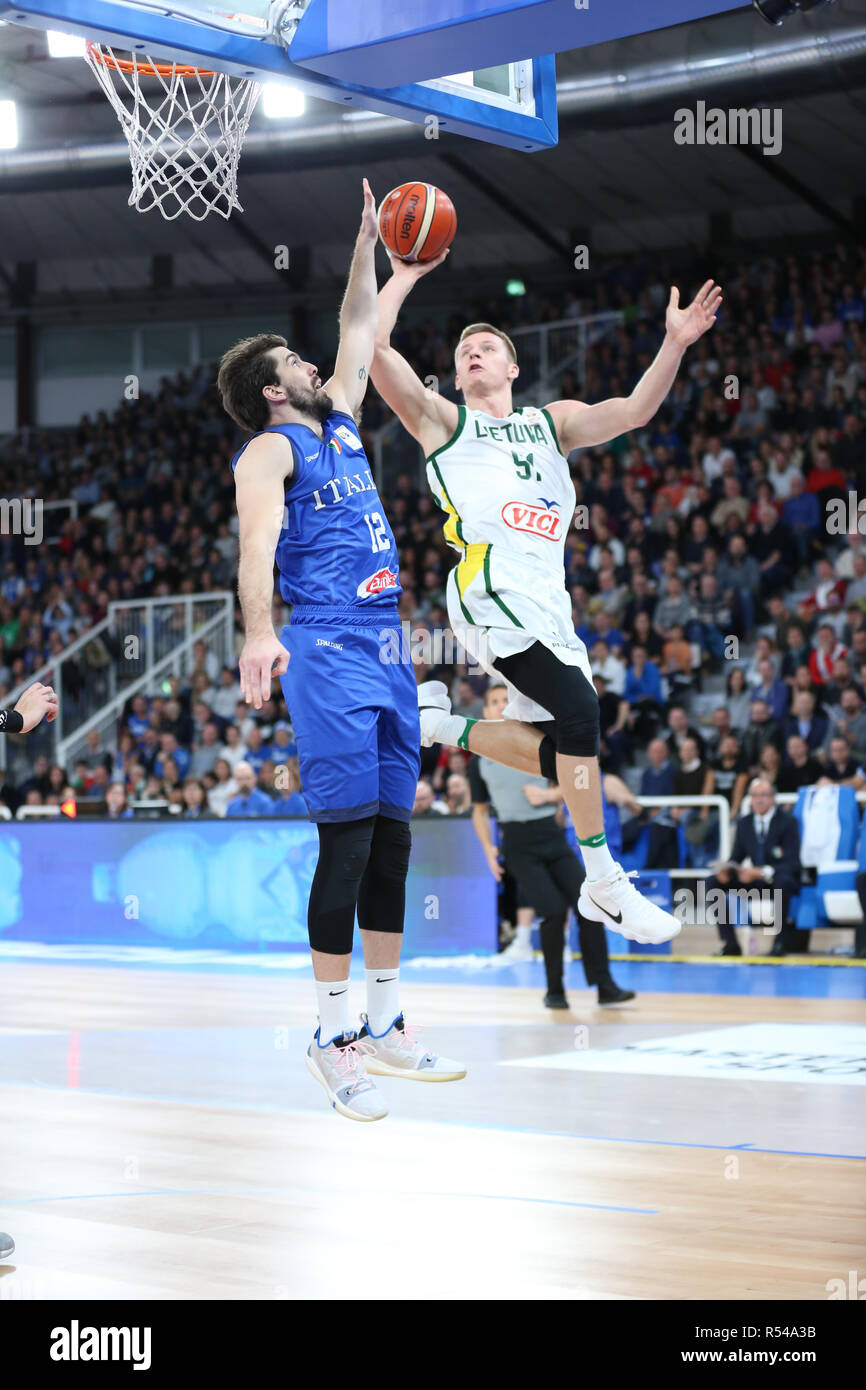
[707, 558]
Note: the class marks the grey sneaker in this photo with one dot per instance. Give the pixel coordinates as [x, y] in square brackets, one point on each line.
[397, 1052]
[339, 1068]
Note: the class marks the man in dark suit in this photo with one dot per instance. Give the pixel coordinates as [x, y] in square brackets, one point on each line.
[805, 721]
[769, 839]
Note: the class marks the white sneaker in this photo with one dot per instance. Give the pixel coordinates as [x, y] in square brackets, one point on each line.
[517, 951]
[615, 902]
[340, 1069]
[433, 702]
[397, 1053]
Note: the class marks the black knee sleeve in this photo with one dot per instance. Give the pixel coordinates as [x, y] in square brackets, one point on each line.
[382, 895]
[565, 691]
[344, 852]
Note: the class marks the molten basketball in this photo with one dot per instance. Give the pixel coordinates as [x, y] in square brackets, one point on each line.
[417, 221]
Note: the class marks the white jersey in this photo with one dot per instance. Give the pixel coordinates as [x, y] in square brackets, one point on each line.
[505, 483]
[507, 491]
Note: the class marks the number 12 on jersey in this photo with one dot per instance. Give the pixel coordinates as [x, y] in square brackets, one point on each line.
[378, 535]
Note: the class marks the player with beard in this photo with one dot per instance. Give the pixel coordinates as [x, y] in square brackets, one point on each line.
[305, 496]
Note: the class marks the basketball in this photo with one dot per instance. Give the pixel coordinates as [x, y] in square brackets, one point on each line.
[417, 221]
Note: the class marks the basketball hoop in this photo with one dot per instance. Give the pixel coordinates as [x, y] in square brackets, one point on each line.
[185, 134]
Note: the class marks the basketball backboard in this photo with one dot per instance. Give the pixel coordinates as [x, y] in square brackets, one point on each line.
[511, 103]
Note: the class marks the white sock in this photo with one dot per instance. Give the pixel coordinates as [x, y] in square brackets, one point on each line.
[597, 858]
[383, 998]
[524, 935]
[452, 730]
[332, 997]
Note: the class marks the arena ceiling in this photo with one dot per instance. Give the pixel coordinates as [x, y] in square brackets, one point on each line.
[617, 179]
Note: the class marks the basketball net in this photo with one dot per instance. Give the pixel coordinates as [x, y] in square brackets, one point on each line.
[185, 131]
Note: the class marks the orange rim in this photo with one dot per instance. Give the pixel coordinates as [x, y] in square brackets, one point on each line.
[147, 68]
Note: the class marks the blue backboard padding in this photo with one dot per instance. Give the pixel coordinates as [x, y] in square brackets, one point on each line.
[166, 37]
[379, 42]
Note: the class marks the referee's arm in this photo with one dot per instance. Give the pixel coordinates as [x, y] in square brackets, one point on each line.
[481, 818]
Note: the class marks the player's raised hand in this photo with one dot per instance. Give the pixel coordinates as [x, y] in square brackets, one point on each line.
[257, 661]
[415, 270]
[685, 326]
[369, 217]
[37, 703]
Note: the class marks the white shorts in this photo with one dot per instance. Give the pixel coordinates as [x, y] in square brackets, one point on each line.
[498, 605]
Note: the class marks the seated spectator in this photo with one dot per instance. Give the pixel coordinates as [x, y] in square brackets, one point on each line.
[250, 801]
[426, 801]
[643, 691]
[195, 805]
[657, 779]
[605, 664]
[458, 797]
[738, 698]
[730, 773]
[773, 691]
[693, 776]
[770, 765]
[827, 650]
[797, 652]
[852, 725]
[223, 789]
[170, 751]
[679, 729]
[770, 545]
[676, 664]
[801, 769]
[256, 753]
[224, 698]
[839, 766]
[720, 726]
[807, 722]
[289, 800]
[761, 730]
[282, 747]
[206, 753]
[613, 723]
[673, 612]
[466, 701]
[232, 749]
[115, 803]
[765, 856]
[827, 596]
[802, 519]
[740, 577]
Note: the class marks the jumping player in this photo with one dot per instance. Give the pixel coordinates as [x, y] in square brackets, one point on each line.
[305, 494]
[502, 477]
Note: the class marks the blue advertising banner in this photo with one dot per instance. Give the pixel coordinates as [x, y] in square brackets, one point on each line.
[221, 885]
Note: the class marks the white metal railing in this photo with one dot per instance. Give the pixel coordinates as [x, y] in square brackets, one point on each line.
[546, 350]
[144, 632]
[174, 664]
[719, 802]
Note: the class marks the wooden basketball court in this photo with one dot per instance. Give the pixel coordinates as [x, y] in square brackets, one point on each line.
[163, 1140]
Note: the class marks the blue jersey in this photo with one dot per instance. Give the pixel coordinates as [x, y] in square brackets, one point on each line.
[336, 546]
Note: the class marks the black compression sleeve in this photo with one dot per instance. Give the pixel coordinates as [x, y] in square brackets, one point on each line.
[11, 722]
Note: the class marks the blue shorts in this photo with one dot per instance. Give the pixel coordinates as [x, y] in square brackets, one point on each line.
[355, 714]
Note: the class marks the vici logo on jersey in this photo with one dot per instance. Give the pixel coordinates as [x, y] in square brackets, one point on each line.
[539, 521]
[377, 583]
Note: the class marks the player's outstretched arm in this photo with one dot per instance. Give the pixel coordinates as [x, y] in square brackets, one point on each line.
[37, 703]
[260, 478]
[426, 415]
[580, 426]
[358, 316]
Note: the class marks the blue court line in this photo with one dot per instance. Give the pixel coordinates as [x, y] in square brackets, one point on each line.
[261, 1191]
[262, 1107]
